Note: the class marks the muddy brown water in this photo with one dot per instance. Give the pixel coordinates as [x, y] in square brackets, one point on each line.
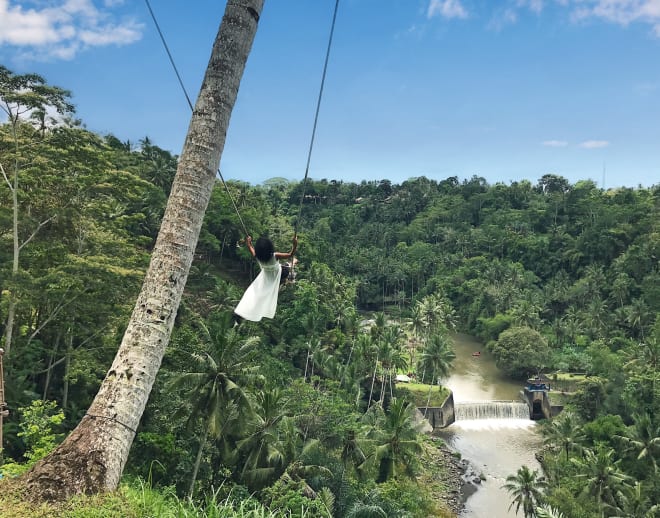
[495, 447]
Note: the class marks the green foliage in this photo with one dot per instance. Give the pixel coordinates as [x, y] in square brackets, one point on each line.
[138, 499]
[321, 410]
[38, 426]
[603, 430]
[417, 393]
[550, 275]
[287, 497]
[563, 434]
[155, 457]
[405, 497]
[521, 351]
[525, 488]
[589, 398]
[489, 329]
[563, 499]
[394, 441]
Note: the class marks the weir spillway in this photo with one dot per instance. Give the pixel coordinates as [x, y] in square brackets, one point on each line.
[470, 410]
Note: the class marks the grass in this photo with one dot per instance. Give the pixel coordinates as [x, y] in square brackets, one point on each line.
[568, 376]
[135, 499]
[420, 393]
[132, 500]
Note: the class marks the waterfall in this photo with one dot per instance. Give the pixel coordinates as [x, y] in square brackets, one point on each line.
[491, 410]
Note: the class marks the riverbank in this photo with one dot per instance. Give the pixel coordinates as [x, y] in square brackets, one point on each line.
[441, 477]
[444, 474]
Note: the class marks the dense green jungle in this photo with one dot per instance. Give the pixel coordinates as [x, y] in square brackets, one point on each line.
[301, 415]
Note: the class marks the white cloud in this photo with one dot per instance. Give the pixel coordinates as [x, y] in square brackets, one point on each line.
[555, 143]
[536, 6]
[108, 35]
[594, 144]
[447, 9]
[622, 12]
[59, 30]
[502, 19]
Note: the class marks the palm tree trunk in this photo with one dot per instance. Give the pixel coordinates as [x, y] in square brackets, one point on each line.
[198, 461]
[391, 390]
[348, 362]
[309, 350]
[382, 389]
[67, 365]
[93, 456]
[11, 309]
[49, 370]
[373, 379]
[428, 401]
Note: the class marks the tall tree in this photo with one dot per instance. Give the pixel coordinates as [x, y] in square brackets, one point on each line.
[395, 439]
[24, 96]
[93, 456]
[634, 501]
[218, 384]
[436, 360]
[600, 475]
[564, 433]
[526, 489]
[643, 437]
[262, 439]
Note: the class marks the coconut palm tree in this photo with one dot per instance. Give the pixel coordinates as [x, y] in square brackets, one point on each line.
[526, 489]
[526, 313]
[432, 311]
[643, 437]
[601, 475]
[436, 359]
[352, 452]
[217, 384]
[563, 432]
[375, 346]
[638, 315]
[545, 511]
[371, 506]
[620, 288]
[293, 457]
[593, 317]
[644, 354]
[634, 501]
[393, 435]
[417, 324]
[392, 356]
[93, 456]
[261, 439]
[355, 378]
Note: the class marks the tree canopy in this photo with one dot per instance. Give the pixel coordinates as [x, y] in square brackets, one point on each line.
[552, 276]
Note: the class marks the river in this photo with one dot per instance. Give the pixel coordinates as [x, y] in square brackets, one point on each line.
[495, 447]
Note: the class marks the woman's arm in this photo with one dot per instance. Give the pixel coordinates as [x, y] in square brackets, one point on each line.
[285, 255]
[248, 241]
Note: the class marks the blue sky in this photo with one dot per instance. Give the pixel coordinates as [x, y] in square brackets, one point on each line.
[504, 89]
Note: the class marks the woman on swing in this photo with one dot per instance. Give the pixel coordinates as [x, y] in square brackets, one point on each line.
[260, 299]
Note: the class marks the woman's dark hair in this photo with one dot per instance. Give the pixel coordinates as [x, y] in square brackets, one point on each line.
[264, 249]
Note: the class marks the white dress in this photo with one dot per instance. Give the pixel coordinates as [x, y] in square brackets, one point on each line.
[260, 299]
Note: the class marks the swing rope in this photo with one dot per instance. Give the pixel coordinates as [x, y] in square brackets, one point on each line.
[185, 92]
[169, 54]
[316, 115]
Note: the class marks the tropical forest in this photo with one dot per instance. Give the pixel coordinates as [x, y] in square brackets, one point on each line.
[116, 402]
